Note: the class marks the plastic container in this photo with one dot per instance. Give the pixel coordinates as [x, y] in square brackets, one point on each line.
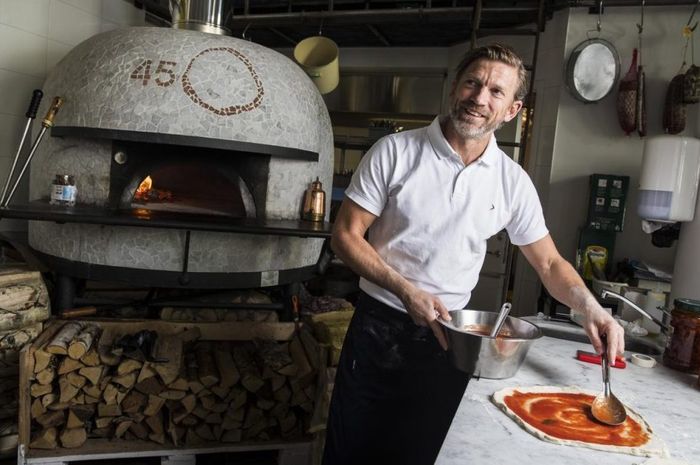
[683, 347]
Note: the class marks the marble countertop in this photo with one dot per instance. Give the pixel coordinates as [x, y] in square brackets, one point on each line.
[483, 434]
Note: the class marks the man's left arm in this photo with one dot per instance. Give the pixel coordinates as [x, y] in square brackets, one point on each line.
[565, 285]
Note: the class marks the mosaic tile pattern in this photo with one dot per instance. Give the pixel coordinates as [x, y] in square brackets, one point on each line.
[186, 83]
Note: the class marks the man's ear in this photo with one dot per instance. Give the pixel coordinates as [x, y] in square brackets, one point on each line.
[453, 87]
[513, 110]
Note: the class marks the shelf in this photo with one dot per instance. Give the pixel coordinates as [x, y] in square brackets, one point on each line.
[42, 211]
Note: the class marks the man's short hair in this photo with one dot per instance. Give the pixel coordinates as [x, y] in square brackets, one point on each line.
[497, 52]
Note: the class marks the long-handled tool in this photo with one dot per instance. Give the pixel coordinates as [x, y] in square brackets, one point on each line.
[31, 114]
[46, 123]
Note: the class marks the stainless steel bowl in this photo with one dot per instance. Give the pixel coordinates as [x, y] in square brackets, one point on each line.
[484, 356]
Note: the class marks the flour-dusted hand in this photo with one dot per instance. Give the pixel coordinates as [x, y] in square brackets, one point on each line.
[425, 308]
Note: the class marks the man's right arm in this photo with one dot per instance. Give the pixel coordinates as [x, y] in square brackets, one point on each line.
[349, 243]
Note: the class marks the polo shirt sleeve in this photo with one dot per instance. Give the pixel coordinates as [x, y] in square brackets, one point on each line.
[527, 223]
[369, 187]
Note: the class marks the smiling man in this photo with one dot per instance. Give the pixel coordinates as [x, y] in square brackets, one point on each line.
[428, 200]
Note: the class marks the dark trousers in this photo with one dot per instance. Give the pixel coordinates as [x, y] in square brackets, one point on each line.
[395, 391]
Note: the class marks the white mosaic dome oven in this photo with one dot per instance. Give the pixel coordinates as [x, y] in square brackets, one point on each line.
[229, 134]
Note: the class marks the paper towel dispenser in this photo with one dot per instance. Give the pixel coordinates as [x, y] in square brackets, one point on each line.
[668, 185]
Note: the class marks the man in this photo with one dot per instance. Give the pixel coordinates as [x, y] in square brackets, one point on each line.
[429, 199]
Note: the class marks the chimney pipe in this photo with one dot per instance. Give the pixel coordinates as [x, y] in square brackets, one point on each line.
[201, 15]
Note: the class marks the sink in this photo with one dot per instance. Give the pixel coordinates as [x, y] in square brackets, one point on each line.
[572, 332]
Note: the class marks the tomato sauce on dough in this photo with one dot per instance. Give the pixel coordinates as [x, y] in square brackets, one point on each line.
[568, 416]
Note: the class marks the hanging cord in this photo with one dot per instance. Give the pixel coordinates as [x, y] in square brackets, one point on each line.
[640, 30]
[599, 22]
[688, 34]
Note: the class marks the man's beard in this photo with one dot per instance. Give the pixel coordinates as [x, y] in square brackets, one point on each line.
[468, 131]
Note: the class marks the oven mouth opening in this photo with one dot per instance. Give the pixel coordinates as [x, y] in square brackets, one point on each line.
[199, 188]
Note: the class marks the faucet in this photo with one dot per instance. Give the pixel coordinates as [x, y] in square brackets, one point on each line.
[665, 328]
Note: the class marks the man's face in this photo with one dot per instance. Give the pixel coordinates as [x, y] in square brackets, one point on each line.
[484, 98]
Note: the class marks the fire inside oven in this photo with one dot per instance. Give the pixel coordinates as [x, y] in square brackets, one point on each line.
[183, 180]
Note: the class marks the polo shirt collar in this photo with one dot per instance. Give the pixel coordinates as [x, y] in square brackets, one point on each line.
[443, 148]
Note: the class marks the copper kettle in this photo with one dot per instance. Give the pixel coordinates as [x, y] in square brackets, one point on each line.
[314, 202]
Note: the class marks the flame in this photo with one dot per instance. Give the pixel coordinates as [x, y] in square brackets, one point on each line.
[145, 186]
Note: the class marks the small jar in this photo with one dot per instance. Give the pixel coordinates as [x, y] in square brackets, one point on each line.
[683, 346]
[63, 190]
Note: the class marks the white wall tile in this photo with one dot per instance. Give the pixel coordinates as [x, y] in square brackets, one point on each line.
[29, 15]
[55, 53]
[123, 13]
[22, 52]
[94, 7]
[71, 25]
[17, 91]
[11, 128]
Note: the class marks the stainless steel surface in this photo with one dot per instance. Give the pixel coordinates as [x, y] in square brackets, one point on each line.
[6, 201]
[502, 315]
[606, 293]
[607, 408]
[373, 91]
[485, 356]
[592, 70]
[201, 15]
[572, 332]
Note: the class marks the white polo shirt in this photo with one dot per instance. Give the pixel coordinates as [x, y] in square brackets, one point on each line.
[435, 214]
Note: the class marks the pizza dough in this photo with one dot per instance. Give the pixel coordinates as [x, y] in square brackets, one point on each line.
[589, 431]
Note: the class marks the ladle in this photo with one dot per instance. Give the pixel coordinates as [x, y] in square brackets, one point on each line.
[606, 408]
[502, 315]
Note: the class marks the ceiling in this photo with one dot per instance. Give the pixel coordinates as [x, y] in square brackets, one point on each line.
[404, 23]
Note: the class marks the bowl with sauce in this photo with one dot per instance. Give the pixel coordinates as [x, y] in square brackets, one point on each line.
[474, 351]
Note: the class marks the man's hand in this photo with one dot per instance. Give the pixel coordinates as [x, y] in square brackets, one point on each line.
[424, 308]
[597, 322]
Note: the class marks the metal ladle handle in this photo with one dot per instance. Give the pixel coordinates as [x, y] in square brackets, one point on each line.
[502, 315]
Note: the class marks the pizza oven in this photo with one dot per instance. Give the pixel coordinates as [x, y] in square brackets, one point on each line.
[191, 153]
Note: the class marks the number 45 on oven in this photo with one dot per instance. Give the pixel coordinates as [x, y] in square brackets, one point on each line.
[163, 76]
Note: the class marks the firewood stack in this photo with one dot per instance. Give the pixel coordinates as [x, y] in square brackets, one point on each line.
[185, 393]
[24, 305]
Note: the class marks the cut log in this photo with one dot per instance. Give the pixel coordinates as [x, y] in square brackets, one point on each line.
[15, 339]
[180, 384]
[206, 365]
[311, 347]
[46, 375]
[68, 364]
[283, 394]
[229, 423]
[107, 357]
[103, 422]
[191, 372]
[73, 437]
[150, 386]
[104, 433]
[172, 394]
[155, 422]
[170, 348]
[239, 399]
[59, 344]
[78, 399]
[91, 358]
[110, 394]
[159, 438]
[38, 390]
[49, 399]
[104, 382]
[153, 406]
[105, 410]
[127, 381]
[139, 430]
[83, 342]
[200, 412]
[147, 371]
[76, 379]
[265, 404]
[296, 350]
[37, 409]
[187, 420]
[45, 439]
[92, 373]
[218, 431]
[220, 391]
[226, 367]
[203, 430]
[192, 439]
[134, 402]
[275, 356]
[127, 366]
[91, 400]
[208, 402]
[189, 402]
[92, 391]
[250, 375]
[122, 427]
[54, 418]
[66, 389]
[58, 406]
[214, 419]
[42, 360]
[79, 416]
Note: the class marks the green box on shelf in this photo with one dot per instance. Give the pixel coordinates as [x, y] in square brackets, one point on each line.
[606, 203]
